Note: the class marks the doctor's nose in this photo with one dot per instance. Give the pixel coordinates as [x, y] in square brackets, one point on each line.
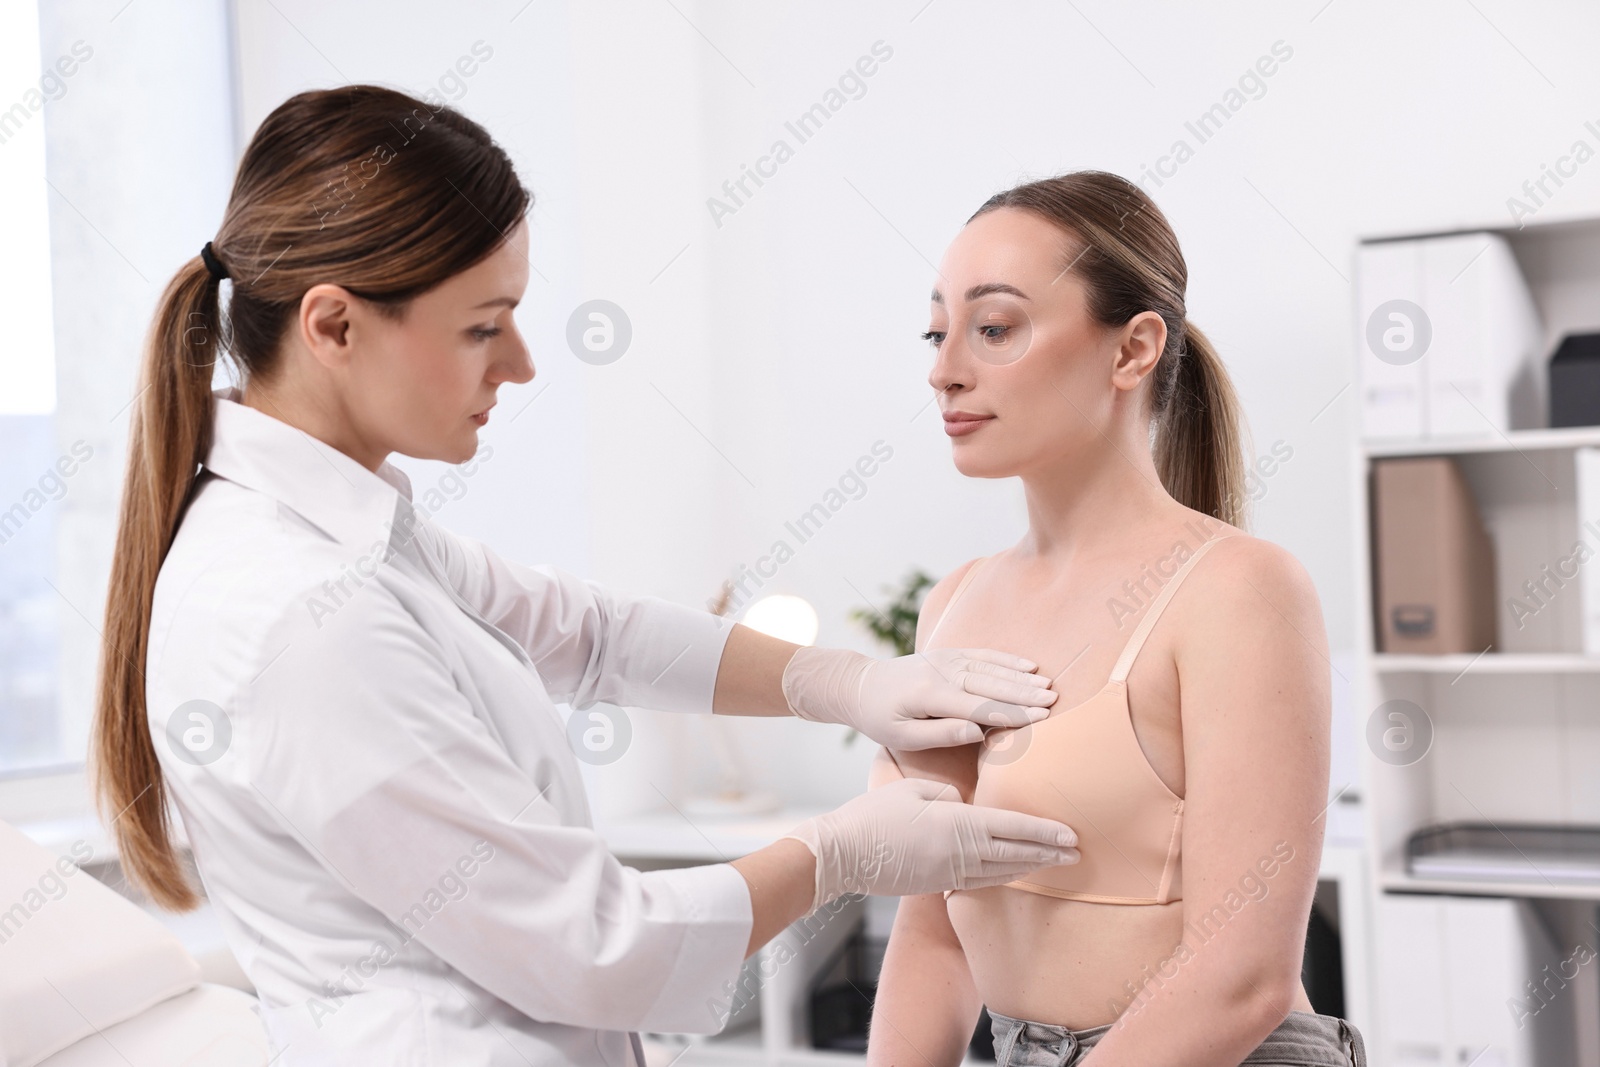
[516, 366]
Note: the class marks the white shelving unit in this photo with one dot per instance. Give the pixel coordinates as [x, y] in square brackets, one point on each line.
[1516, 727]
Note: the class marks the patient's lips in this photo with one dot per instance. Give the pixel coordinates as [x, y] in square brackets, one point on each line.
[957, 423]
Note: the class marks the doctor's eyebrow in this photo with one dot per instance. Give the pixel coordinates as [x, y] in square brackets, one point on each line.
[983, 290]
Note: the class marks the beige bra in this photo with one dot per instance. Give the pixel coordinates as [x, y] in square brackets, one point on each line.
[1083, 765]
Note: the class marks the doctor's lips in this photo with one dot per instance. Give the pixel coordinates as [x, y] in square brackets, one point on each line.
[957, 423]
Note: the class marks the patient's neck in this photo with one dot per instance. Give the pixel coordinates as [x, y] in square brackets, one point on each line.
[1089, 500]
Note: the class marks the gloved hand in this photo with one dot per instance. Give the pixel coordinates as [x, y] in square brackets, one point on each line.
[917, 836]
[897, 702]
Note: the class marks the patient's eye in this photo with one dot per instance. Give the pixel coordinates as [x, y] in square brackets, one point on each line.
[993, 331]
[934, 337]
[480, 333]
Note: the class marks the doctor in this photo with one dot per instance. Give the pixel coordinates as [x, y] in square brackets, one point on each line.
[353, 710]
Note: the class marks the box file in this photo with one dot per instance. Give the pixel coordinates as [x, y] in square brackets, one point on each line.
[1433, 561]
[1448, 340]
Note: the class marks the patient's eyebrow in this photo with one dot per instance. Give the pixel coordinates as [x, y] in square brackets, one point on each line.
[983, 290]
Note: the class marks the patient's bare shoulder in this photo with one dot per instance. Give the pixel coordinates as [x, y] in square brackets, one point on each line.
[1249, 580]
[1253, 613]
[938, 599]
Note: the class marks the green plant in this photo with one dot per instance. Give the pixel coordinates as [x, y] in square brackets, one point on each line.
[896, 624]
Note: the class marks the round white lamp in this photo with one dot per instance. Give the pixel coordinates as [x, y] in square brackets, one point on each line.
[788, 618]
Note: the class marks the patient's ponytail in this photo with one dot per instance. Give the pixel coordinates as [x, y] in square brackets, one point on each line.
[1129, 259]
[1197, 447]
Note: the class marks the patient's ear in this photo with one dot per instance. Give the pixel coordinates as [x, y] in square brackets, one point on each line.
[1140, 342]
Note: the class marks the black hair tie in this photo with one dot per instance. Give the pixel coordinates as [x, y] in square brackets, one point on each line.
[213, 265]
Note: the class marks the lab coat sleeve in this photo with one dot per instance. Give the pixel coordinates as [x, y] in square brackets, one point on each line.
[360, 745]
[589, 643]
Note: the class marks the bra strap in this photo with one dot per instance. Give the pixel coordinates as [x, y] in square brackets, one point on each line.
[1136, 642]
[960, 588]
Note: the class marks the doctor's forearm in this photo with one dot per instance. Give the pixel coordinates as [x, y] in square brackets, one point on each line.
[750, 675]
[782, 880]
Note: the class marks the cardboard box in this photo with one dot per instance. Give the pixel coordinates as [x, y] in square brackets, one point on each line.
[1433, 561]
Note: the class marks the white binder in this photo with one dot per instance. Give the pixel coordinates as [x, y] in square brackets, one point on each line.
[1393, 397]
[1449, 339]
[1586, 465]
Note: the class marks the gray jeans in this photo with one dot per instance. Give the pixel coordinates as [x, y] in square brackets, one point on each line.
[1301, 1040]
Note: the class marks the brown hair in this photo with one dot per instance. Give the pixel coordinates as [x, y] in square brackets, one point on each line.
[360, 186]
[1129, 259]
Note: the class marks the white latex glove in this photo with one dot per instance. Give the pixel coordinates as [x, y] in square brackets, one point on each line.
[917, 836]
[943, 696]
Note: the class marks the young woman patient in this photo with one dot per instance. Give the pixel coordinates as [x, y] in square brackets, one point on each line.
[1189, 745]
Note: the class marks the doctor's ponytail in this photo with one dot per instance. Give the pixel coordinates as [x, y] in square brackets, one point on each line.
[168, 437]
[360, 186]
[1128, 257]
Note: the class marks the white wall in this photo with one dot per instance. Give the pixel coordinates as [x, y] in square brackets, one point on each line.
[1385, 118]
[601, 475]
[776, 348]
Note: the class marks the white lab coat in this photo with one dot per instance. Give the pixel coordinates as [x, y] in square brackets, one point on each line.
[386, 811]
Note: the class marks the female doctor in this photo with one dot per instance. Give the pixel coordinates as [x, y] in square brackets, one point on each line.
[353, 710]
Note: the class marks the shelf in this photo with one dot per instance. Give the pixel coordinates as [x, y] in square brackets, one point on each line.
[1546, 223]
[816, 1057]
[744, 1049]
[669, 834]
[1400, 882]
[1487, 663]
[744, 1052]
[1511, 441]
[718, 1050]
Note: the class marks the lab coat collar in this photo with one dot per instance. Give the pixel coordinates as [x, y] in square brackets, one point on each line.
[327, 488]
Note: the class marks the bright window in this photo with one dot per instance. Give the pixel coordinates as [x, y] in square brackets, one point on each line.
[30, 479]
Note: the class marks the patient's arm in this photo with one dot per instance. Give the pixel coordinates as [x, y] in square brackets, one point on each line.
[1256, 701]
[926, 1004]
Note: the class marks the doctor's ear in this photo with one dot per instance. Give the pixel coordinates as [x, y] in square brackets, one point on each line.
[1140, 342]
[330, 319]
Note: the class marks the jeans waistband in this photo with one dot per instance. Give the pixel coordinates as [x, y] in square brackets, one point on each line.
[1303, 1039]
